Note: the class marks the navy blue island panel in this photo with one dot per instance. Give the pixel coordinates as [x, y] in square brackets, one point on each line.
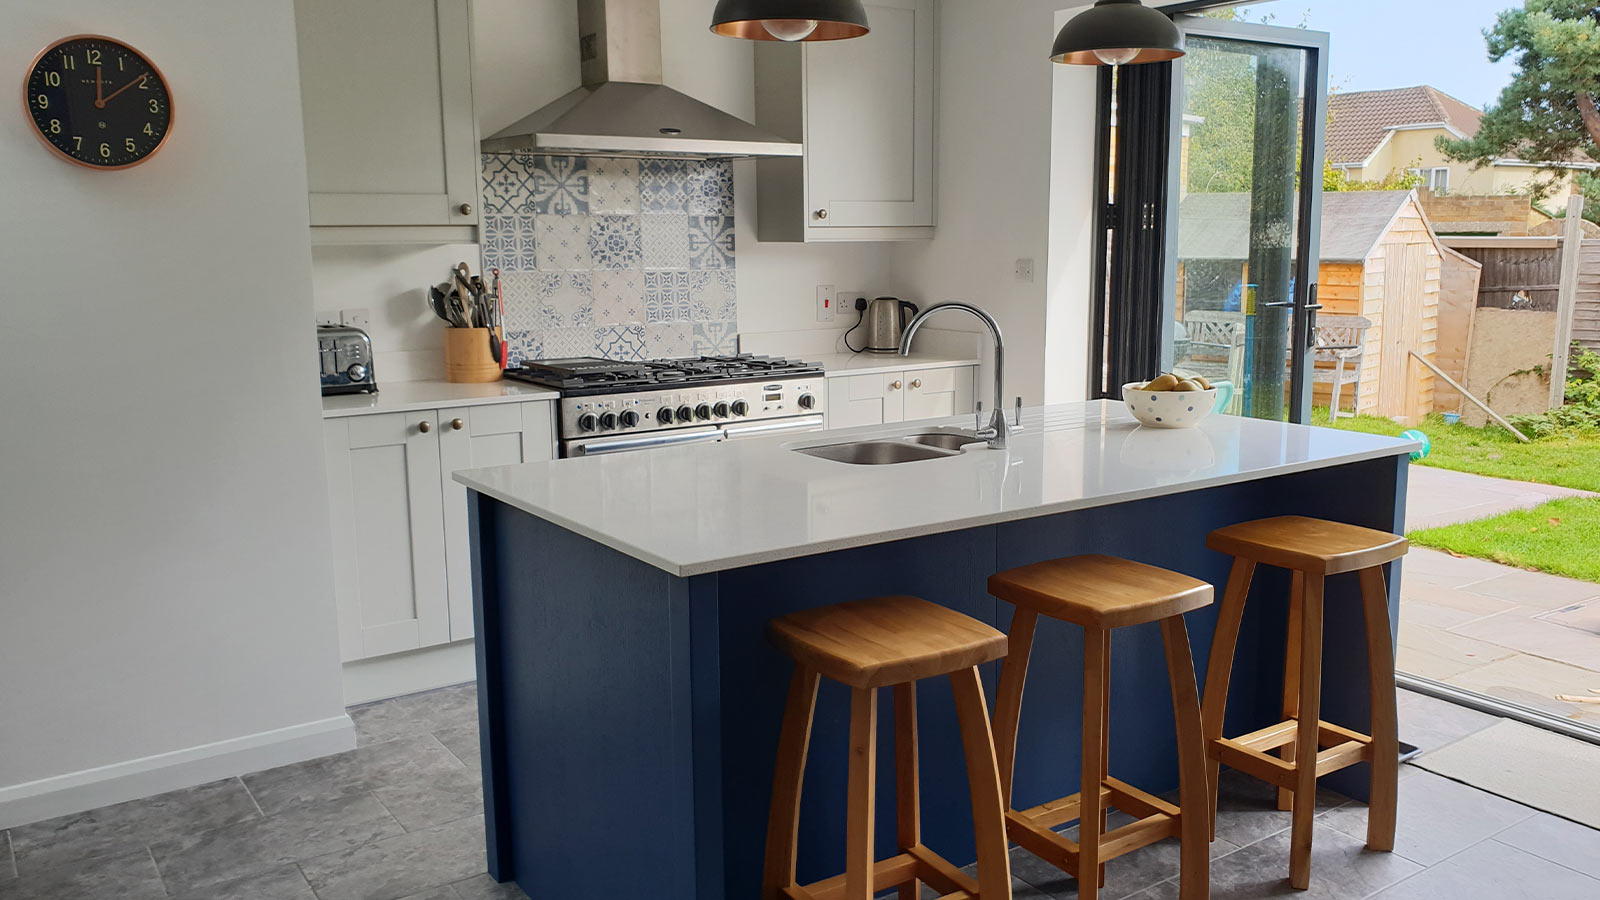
[630, 717]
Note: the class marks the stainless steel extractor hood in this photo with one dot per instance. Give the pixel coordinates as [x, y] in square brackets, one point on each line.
[623, 109]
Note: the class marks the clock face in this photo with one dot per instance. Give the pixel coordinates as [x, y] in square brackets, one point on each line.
[98, 102]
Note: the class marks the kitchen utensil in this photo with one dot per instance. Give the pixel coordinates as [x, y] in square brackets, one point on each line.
[439, 302]
[500, 317]
[885, 321]
[464, 291]
[1175, 409]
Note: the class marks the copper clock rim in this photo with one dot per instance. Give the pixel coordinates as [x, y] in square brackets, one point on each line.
[172, 107]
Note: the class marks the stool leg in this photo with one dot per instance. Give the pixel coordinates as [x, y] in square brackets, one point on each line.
[1008, 698]
[1105, 746]
[861, 826]
[1305, 753]
[1096, 672]
[1219, 668]
[1385, 717]
[783, 824]
[1194, 834]
[907, 797]
[1291, 675]
[983, 779]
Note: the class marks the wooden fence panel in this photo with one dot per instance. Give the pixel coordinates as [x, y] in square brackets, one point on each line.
[1509, 270]
[1586, 313]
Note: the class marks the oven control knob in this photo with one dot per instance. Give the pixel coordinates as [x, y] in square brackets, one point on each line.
[703, 412]
[741, 408]
[807, 401]
[664, 415]
[630, 419]
[685, 414]
[721, 409]
[608, 421]
[586, 422]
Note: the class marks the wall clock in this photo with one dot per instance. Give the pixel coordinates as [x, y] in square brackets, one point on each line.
[98, 102]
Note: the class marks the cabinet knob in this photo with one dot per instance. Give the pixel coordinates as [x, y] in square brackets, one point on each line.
[916, 384]
[822, 214]
[465, 209]
[894, 385]
[424, 427]
[457, 424]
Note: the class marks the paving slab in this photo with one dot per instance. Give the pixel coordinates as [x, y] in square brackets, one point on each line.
[1437, 497]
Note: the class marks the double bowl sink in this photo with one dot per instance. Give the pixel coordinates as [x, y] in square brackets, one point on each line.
[884, 451]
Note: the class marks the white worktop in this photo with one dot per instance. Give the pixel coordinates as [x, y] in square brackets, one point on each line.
[835, 364]
[708, 507]
[406, 396]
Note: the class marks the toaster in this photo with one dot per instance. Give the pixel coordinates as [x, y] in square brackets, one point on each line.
[346, 357]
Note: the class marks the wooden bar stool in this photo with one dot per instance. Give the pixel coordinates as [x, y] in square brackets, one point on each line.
[1308, 747]
[868, 644]
[1101, 593]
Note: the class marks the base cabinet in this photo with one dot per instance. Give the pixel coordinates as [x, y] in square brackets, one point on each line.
[402, 570]
[881, 398]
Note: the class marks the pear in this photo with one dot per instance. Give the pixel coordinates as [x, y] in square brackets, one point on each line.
[1162, 383]
[1186, 387]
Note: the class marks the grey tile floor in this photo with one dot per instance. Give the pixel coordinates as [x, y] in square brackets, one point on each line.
[401, 818]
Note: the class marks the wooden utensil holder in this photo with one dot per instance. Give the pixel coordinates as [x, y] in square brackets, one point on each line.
[466, 356]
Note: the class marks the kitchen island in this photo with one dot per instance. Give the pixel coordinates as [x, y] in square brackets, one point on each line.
[630, 700]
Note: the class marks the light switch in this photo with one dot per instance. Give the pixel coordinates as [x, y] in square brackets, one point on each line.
[1024, 271]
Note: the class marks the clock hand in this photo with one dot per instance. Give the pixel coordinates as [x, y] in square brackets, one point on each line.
[99, 101]
[113, 95]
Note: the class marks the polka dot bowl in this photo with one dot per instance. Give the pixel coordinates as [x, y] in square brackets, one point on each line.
[1168, 409]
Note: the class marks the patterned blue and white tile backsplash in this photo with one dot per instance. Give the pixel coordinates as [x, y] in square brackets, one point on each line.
[621, 258]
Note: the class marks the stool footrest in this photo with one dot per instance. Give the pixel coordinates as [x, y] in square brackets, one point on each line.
[1033, 829]
[1339, 748]
[917, 863]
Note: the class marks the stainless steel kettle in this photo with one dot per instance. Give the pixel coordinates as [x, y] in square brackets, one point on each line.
[885, 321]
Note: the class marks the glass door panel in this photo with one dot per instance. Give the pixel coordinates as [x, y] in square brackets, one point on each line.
[1248, 126]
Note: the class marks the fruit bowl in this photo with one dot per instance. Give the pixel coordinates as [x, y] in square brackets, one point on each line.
[1174, 408]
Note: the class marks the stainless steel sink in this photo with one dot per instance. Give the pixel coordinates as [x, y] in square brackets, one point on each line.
[876, 453]
[899, 449]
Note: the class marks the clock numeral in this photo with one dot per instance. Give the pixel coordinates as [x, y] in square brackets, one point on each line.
[77, 142]
[52, 79]
[130, 145]
[43, 101]
[148, 130]
[144, 84]
[155, 106]
[69, 62]
[105, 150]
[55, 126]
[93, 56]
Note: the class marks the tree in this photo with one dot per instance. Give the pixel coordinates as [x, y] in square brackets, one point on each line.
[1548, 113]
[1340, 180]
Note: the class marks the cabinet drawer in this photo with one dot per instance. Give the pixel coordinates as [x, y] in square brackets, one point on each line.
[935, 380]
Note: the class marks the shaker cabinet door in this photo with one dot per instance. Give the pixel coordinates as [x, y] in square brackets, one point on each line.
[869, 121]
[388, 533]
[470, 438]
[386, 92]
[865, 399]
[938, 393]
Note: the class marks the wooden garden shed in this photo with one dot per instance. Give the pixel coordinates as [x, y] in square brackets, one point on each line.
[1380, 263]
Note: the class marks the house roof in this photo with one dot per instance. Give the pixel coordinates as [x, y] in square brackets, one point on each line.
[1217, 226]
[1358, 122]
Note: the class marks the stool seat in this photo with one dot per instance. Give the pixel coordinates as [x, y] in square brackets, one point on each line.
[1100, 591]
[1314, 546]
[886, 640]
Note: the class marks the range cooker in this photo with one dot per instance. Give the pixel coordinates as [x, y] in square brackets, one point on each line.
[609, 406]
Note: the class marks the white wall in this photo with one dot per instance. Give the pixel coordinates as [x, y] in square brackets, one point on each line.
[165, 577]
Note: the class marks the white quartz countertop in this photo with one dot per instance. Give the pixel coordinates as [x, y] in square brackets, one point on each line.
[708, 507]
[879, 363]
[406, 396]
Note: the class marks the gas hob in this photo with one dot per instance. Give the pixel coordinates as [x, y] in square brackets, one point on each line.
[607, 405]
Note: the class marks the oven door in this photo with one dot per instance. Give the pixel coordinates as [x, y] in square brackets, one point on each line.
[621, 443]
[779, 426]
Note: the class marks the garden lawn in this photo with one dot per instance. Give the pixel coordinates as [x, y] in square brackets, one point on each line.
[1561, 537]
[1566, 460]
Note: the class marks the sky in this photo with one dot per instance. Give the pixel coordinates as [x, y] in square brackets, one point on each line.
[1379, 44]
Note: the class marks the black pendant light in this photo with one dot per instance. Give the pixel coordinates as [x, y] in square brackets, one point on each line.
[790, 20]
[1117, 33]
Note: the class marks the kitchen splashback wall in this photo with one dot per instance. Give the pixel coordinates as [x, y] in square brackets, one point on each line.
[619, 258]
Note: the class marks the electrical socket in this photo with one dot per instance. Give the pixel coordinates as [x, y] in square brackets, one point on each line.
[847, 300]
[356, 318]
[1024, 271]
[328, 317]
[827, 303]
